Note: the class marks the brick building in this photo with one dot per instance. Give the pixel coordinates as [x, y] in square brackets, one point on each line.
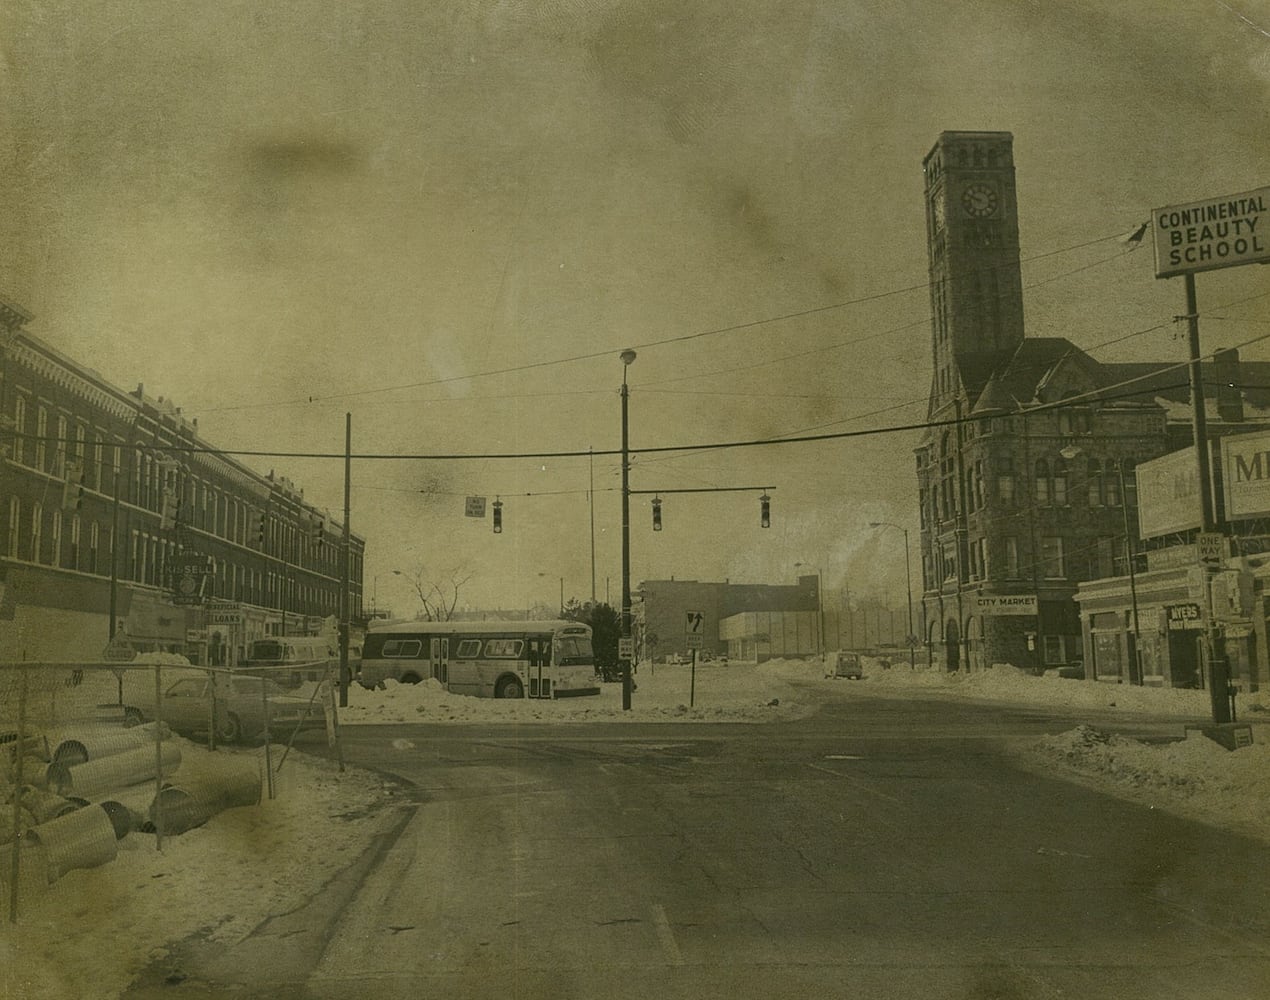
[103, 489]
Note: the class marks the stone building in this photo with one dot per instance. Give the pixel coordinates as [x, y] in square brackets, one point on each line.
[1026, 470]
[104, 492]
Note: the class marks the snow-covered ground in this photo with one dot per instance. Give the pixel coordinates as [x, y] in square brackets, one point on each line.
[92, 931]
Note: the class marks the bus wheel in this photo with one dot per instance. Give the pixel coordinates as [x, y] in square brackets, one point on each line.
[509, 687]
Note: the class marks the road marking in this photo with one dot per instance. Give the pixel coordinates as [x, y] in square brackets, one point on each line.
[665, 935]
[854, 781]
[842, 756]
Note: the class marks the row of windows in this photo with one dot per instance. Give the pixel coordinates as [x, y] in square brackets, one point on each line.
[52, 538]
[1100, 558]
[156, 483]
[1052, 485]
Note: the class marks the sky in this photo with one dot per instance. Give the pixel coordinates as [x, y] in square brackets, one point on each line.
[95, 929]
[447, 220]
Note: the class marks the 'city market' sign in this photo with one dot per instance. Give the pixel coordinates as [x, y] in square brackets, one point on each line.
[1206, 235]
[1007, 604]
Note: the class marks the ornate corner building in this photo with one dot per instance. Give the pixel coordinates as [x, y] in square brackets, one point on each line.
[104, 492]
[1025, 472]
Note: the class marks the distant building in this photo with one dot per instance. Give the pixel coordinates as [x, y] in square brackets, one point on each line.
[1023, 496]
[104, 492]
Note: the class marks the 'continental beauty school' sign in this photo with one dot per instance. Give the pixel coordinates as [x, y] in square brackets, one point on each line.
[1206, 235]
[1245, 460]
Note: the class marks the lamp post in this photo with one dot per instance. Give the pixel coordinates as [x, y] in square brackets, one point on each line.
[627, 357]
[820, 605]
[908, 584]
[561, 593]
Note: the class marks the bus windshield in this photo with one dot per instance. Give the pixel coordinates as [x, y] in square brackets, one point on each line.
[265, 649]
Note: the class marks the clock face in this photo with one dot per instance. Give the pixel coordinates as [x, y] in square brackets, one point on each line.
[979, 200]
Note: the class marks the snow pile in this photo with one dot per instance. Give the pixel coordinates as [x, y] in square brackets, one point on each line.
[1195, 777]
[92, 930]
[664, 693]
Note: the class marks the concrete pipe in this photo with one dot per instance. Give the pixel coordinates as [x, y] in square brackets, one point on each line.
[202, 793]
[82, 839]
[130, 805]
[95, 744]
[116, 771]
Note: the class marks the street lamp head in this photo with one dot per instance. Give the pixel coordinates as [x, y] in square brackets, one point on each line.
[627, 356]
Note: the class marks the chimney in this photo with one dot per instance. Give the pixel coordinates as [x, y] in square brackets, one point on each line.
[1230, 397]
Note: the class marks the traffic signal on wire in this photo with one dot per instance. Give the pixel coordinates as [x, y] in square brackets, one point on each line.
[657, 513]
[319, 531]
[73, 487]
[498, 517]
[764, 511]
[261, 524]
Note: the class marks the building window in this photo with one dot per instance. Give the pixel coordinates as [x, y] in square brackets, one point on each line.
[93, 538]
[99, 456]
[1112, 487]
[1042, 490]
[1052, 566]
[57, 538]
[11, 539]
[1095, 483]
[59, 448]
[81, 438]
[37, 530]
[41, 435]
[1012, 558]
[1060, 482]
[1005, 481]
[19, 426]
[74, 553]
[1054, 649]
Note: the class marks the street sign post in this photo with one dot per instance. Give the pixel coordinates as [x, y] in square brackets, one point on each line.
[693, 631]
[1210, 548]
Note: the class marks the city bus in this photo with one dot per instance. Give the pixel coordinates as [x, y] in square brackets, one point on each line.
[534, 659]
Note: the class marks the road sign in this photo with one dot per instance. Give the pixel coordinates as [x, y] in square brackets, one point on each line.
[625, 648]
[694, 640]
[1210, 547]
[475, 507]
[693, 625]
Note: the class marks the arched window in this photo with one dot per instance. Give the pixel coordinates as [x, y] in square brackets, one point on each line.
[1060, 482]
[1112, 486]
[1095, 483]
[1042, 488]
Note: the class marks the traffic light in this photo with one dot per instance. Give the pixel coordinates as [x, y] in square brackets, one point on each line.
[764, 511]
[319, 531]
[657, 513]
[498, 517]
[261, 525]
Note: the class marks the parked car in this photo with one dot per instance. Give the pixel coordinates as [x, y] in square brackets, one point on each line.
[186, 707]
[847, 665]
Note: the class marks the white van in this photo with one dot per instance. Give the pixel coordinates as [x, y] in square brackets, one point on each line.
[290, 660]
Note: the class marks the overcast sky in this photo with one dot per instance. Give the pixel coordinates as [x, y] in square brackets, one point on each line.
[275, 214]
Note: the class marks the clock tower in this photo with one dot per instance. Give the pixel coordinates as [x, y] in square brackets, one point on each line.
[976, 289]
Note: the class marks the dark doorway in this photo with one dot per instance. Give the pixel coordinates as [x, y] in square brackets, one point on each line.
[952, 646]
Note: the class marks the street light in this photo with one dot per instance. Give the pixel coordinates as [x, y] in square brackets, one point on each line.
[908, 582]
[627, 357]
[820, 604]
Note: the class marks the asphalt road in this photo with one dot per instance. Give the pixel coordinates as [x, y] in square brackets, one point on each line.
[879, 849]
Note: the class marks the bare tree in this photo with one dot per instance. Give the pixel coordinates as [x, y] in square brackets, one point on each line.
[438, 592]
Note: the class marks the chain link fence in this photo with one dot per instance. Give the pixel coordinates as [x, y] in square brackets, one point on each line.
[93, 752]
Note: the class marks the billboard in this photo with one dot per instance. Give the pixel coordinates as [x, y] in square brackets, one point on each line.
[1245, 462]
[1168, 494]
[1206, 235]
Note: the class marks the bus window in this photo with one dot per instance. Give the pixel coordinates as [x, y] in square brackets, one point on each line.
[402, 647]
[468, 649]
[503, 648]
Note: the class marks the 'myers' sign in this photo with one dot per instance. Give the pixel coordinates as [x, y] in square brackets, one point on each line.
[1206, 235]
[1007, 604]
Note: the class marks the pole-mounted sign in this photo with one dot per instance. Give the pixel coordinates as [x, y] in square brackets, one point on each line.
[1207, 235]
